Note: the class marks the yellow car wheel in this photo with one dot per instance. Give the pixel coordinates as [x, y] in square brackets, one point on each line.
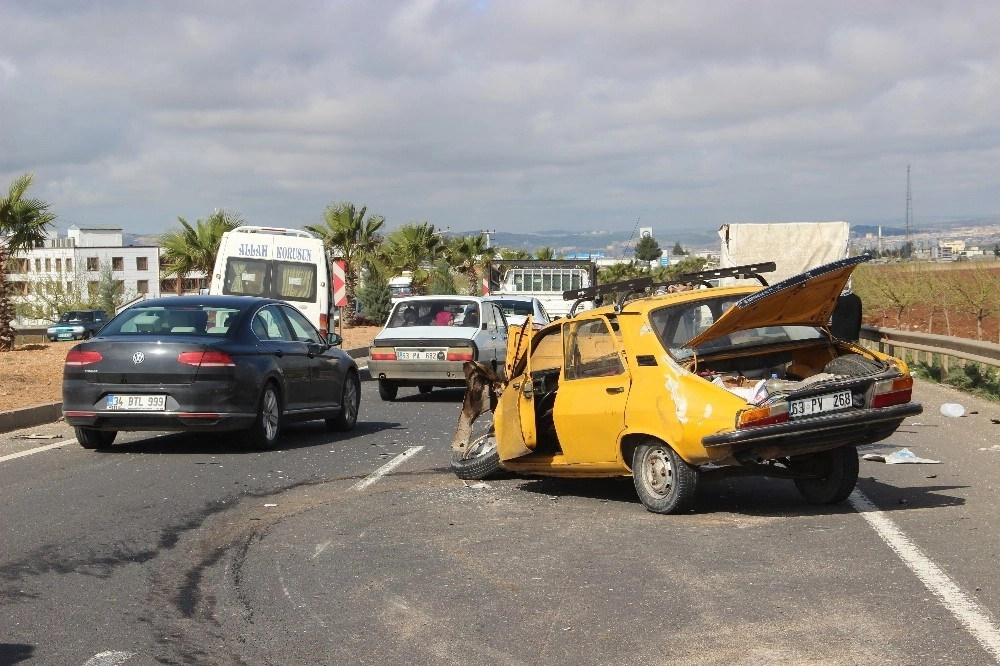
[481, 461]
[839, 475]
[663, 481]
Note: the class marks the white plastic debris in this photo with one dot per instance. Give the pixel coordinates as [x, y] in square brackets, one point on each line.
[899, 457]
[952, 409]
[993, 449]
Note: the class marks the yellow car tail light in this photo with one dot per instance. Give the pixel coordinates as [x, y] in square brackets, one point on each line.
[762, 416]
[890, 392]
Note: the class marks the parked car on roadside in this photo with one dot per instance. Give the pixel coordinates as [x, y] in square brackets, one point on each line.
[208, 364]
[696, 384]
[77, 325]
[426, 340]
[517, 309]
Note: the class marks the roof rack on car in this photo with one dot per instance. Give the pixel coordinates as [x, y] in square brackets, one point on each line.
[626, 288]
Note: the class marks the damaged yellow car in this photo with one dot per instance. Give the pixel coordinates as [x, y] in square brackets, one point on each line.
[677, 388]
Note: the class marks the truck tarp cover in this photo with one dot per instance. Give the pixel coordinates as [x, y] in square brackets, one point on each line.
[794, 246]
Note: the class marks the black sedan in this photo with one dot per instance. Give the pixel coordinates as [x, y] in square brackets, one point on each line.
[208, 364]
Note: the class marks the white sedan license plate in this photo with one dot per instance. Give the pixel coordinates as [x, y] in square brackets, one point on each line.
[421, 354]
[141, 403]
[830, 402]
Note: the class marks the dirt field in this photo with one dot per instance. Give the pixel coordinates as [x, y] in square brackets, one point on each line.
[32, 374]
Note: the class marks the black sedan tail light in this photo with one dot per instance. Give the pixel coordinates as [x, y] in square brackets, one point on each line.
[206, 359]
[77, 357]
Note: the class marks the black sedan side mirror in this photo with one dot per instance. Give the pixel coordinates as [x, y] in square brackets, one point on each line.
[334, 340]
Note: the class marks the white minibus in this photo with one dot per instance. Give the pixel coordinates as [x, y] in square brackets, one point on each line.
[285, 264]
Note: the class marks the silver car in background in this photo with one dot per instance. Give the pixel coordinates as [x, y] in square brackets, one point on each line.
[427, 339]
[516, 309]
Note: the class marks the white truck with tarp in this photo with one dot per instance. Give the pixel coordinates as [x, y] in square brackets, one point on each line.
[794, 247]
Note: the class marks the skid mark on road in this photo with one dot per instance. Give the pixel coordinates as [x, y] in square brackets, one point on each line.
[39, 449]
[388, 467]
[972, 616]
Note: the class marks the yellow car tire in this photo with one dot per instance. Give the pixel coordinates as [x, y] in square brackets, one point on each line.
[663, 481]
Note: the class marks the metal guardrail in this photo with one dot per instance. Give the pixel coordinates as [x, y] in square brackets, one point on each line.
[923, 347]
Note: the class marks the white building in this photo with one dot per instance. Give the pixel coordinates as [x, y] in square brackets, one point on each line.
[76, 261]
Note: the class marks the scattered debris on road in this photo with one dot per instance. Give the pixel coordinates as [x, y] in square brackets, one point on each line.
[899, 457]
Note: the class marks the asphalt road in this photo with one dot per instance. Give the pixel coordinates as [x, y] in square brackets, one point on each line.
[363, 548]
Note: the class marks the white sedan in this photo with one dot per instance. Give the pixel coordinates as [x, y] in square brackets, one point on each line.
[517, 308]
[427, 340]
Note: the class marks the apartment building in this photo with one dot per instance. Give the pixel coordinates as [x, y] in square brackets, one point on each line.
[75, 261]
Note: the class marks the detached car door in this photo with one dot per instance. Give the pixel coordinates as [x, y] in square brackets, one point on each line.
[589, 411]
[514, 416]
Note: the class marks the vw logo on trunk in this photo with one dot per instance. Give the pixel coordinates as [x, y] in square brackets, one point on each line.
[138, 358]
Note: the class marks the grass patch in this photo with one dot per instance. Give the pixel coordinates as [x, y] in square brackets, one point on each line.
[970, 378]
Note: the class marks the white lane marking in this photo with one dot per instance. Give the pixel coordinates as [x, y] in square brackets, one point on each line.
[109, 659]
[320, 547]
[386, 468]
[965, 609]
[37, 450]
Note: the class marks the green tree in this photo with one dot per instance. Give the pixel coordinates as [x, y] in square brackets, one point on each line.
[23, 222]
[193, 248]
[375, 297]
[647, 249]
[414, 248]
[354, 239]
[110, 292]
[509, 254]
[442, 280]
[673, 271]
[470, 257]
[678, 250]
[546, 253]
[620, 271]
[977, 291]
[51, 296]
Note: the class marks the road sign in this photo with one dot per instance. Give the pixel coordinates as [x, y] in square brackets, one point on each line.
[339, 285]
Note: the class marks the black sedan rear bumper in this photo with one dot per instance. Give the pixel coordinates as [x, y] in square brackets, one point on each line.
[167, 421]
[814, 434]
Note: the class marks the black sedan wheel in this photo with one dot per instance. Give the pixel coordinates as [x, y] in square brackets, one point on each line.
[264, 432]
[349, 403]
[387, 390]
[95, 439]
[663, 481]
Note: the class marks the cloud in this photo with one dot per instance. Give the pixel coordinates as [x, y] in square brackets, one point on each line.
[501, 114]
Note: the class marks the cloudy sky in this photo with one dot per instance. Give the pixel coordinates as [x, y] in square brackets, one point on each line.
[513, 115]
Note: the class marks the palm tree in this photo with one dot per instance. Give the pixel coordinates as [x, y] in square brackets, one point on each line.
[545, 253]
[193, 248]
[466, 254]
[351, 238]
[22, 226]
[414, 248]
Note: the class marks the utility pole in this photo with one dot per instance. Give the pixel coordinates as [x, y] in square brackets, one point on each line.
[909, 209]
[487, 232]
